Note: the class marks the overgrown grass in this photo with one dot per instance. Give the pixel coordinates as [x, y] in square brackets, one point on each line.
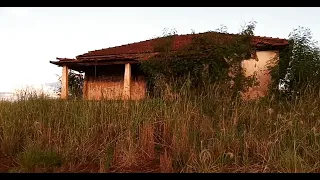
[210, 132]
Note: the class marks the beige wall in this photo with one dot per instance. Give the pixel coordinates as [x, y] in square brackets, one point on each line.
[259, 66]
[103, 87]
[138, 88]
[107, 83]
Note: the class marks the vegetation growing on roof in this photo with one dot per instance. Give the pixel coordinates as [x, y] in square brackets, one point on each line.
[207, 59]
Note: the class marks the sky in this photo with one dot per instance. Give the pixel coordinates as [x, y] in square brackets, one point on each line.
[31, 37]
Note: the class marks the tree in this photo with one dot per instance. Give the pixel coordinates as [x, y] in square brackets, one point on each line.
[299, 64]
[305, 58]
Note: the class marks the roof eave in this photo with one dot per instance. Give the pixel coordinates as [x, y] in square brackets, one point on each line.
[88, 62]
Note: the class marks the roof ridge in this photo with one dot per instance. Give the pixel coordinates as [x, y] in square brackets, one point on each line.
[233, 34]
[187, 35]
[138, 46]
[122, 45]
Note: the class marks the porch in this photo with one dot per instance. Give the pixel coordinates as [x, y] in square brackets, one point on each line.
[109, 79]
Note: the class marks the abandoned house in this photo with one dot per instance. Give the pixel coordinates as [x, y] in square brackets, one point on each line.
[113, 73]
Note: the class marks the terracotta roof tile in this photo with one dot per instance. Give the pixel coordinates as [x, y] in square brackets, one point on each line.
[179, 41]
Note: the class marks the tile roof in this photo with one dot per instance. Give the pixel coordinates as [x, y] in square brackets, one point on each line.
[179, 41]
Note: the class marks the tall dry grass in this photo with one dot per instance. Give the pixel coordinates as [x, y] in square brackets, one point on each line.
[207, 132]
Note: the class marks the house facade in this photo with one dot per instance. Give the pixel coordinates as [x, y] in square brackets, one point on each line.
[113, 73]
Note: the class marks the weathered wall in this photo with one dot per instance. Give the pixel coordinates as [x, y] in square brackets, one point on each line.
[138, 87]
[104, 87]
[259, 66]
[106, 82]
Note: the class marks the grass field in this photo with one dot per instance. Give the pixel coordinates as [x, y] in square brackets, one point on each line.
[210, 132]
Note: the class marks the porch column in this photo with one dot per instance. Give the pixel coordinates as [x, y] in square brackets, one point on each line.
[127, 81]
[64, 83]
[85, 86]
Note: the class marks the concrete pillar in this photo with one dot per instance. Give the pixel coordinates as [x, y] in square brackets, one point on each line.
[127, 82]
[64, 83]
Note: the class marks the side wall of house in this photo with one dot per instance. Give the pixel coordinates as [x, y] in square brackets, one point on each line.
[106, 82]
[258, 66]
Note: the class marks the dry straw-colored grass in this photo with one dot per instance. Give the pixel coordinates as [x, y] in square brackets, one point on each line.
[210, 132]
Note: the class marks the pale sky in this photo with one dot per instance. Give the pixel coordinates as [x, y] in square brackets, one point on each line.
[31, 37]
